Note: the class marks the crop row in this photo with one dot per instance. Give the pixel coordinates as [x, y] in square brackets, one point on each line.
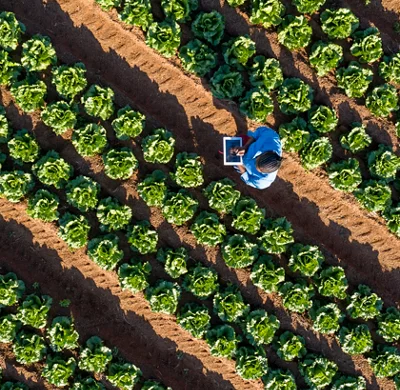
[9, 385]
[371, 182]
[35, 336]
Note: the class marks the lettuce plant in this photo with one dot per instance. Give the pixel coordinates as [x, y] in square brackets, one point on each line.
[69, 80]
[201, 281]
[104, 251]
[349, 383]
[87, 383]
[142, 237]
[279, 380]
[128, 123]
[267, 12]
[10, 31]
[354, 79]
[34, 310]
[163, 297]
[158, 147]
[383, 163]
[226, 83]
[389, 68]
[179, 207]
[374, 195]
[316, 153]
[392, 217]
[209, 26]
[29, 348]
[325, 56]
[222, 341]
[266, 73]
[295, 96]
[9, 70]
[38, 54]
[9, 326]
[238, 51]
[113, 215]
[83, 193]
[23, 147]
[239, 252]
[52, 170]
[385, 361]
[235, 3]
[356, 339]
[123, 375]
[305, 259]
[195, 319]
[260, 328]
[134, 276]
[294, 32]
[29, 94]
[389, 325]
[174, 261]
[137, 13]
[179, 10]
[196, 57]
[90, 140]
[5, 129]
[247, 216]
[322, 119]
[357, 139]
[57, 370]
[15, 185]
[326, 317]
[317, 371]
[59, 116]
[364, 304]
[208, 230]
[308, 6]
[297, 297]
[74, 230]
[188, 170]
[382, 100]
[257, 104]
[345, 175]
[165, 37]
[251, 363]
[367, 45]
[99, 102]
[332, 282]
[11, 289]
[95, 356]
[294, 135]
[120, 164]
[276, 237]
[290, 346]
[229, 304]
[153, 189]
[266, 275]
[62, 334]
[339, 23]
[107, 5]
[221, 195]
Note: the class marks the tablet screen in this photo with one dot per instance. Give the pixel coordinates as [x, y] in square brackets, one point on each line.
[229, 144]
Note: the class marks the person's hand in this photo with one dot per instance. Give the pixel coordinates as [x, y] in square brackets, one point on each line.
[239, 151]
[240, 168]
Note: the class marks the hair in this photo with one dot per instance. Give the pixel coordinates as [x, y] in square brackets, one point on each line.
[268, 162]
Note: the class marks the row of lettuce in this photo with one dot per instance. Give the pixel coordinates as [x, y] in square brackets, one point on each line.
[11, 385]
[305, 135]
[178, 208]
[37, 337]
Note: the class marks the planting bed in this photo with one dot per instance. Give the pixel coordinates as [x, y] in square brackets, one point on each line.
[118, 57]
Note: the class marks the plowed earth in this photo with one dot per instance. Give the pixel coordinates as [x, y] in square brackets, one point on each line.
[117, 56]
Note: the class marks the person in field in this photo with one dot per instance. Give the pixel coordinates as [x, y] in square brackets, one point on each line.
[262, 157]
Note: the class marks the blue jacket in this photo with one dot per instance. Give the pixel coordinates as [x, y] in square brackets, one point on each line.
[266, 139]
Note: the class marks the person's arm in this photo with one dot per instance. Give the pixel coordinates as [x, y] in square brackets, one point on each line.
[256, 181]
[241, 151]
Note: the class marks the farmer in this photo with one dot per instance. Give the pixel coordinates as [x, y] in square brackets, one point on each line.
[262, 157]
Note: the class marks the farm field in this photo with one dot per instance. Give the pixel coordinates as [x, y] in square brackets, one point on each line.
[322, 225]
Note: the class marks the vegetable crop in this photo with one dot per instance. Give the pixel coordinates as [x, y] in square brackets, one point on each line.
[137, 13]
[153, 189]
[326, 317]
[297, 297]
[367, 45]
[294, 32]
[345, 175]
[332, 282]
[251, 363]
[339, 23]
[276, 237]
[38, 54]
[15, 185]
[179, 10]
[95, 356]
[99, 101]
[74, 230]
[374, 195]
[165, 37]
[294, 135]
[188, 170]
[357, 139]
[356, 340]
[266, 73]
[382, 100]
[354, 79]
[208, 230]
[257, 105]
[226, 83]
[260, 327]
[158, 147]
[322, 119]
[247, 216]
[195, 319]
[174, 261]
[229, 304]
[209, 26]
[134, 276]
[59, 116]
[317, 371]
[364, 304]
[305, 259]
[179, 207]
[10, 30]
[222, 195]
[222, 341]
[29, 94]
[325, 56]
[238, 51]
[295, 96]
[142, 237]
[290, 346]
[82, 193]
[389, 68]
[267, 12]
[389, 325]
[104, 251]
[266, 275]
[308, 6]
[128, 123]
[383, 163]
[23, 147]
[315, 153]
[197, 57]
[163, 297]
[119, 164]
[239, 252]
[113, 215]
[90, 140]
[201, 281]
[69, 80]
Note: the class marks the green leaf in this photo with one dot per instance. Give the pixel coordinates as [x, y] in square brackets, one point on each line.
[107, 5]
[349, 383]
[153, 189]
[179, 207]
[57, 370]
[179, 10]
[165, 37]
[267, 12]
[209, 26]
[123, 375]
[201, 281]
[266, 73]
[317, 371]
[59, 116]
[5, 129]
[99, 101]
[137, 13]
[134, 276]
[332, 282]
[345, 175]
[163, 297]
[357, 139]
[9, 326]
[87, 384]
[276, 237]
[247, 215]
[389, 325]
[197, 57]
[29, 348]
[128, 124]
[104, 251]
[38, 54]
[174, 261]
[325, 56]
[11, 289]
[326, 318]
[290, 346]
[239, 252]
[383, 163]
[385, 362]
[23, 147]
[389, 68]
[74, 230]
[266, 275]
[142, 237]
[392, 217]
[158, 147]
[95, 356]
[226, 83]
[367, 45]
[15, 185]
[260, 328]
[62, 334]
[305, 259]
[257, 105]
[322, 119]
[34, 311]
[356, 339]
[308, 6]
[297, 297]
[339, 23]
[374, 195]
[82, 193]
[222, 341]
[235, 3]
[9, 70]
[237, 51]
[295, 96]
[90, 140]
[208, 230]
[229, 304]
[10, 31]
[154, 385]
[221, 195]
[364, 304]
[29, 94]
[316, 153]
[279, 380]
[69, 80]
[294, 32]
[354, 79]
[251, 363]
[382, 100]
[294, 135]
[120, 164]
[188, 170]
[195, 319]
[113, 215]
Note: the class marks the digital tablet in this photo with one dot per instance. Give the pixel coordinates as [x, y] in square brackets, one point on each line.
[229, 157]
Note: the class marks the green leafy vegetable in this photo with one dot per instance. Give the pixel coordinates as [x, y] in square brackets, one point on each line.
[107, 5]
[267, 12]
[385, 362]
[208, 230]
[266, 73]
[9, 327]
[251, 363]
[57, 371]
[389, 68]
[38, 54]
[308, 6]
[325, 56]
[339, 23]
[356, 339]
[260, 328]
[364, 303]
[62, 334]
[222, 195]
[90, 140]
[276, 237]
[257, 105]
[238, 51]
[239, 252]
[11, 289]
[349, 383]
[290, 346]
[382, 100]
[134, 277]
[392, 217]
[9, 70]
[188, 170]
[345, 175]
[247, 216]
[83, 193]
[23, 147]
[165, 37]
[10, 30]
[5, 129]
[137, 13]
[209, 26]
[315, 153]
[322, 119]
[74, 230]
[222, 341]
[142, 237]
[153, 189]
[294, 135]
[15, 185]
[197, 57]
[332, 282]
[326, 318]
[374, 195]
[29, 348]
[295, 96]
[357, 139]
[113, 215]
[226, 83]
[174, 261]
[158, 147]
[367, 45]
[195, 319]
[297, 297]
[229, 304]
[29, 94]
[179, 207]
[163, 297]
[179, 10]
[266, 275]
[120, 164]
[305, 259]
[128, 124]
[104, 251]
[389, 325]
[317, 371]
[34, 310]
[201, 281]
[279, 380]
[123, 375]
[69, 80]
[87, 384]
[383, 163]
[294, 32]
[59, 116]
[354, 79]
[99, 101]
[95, 356]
